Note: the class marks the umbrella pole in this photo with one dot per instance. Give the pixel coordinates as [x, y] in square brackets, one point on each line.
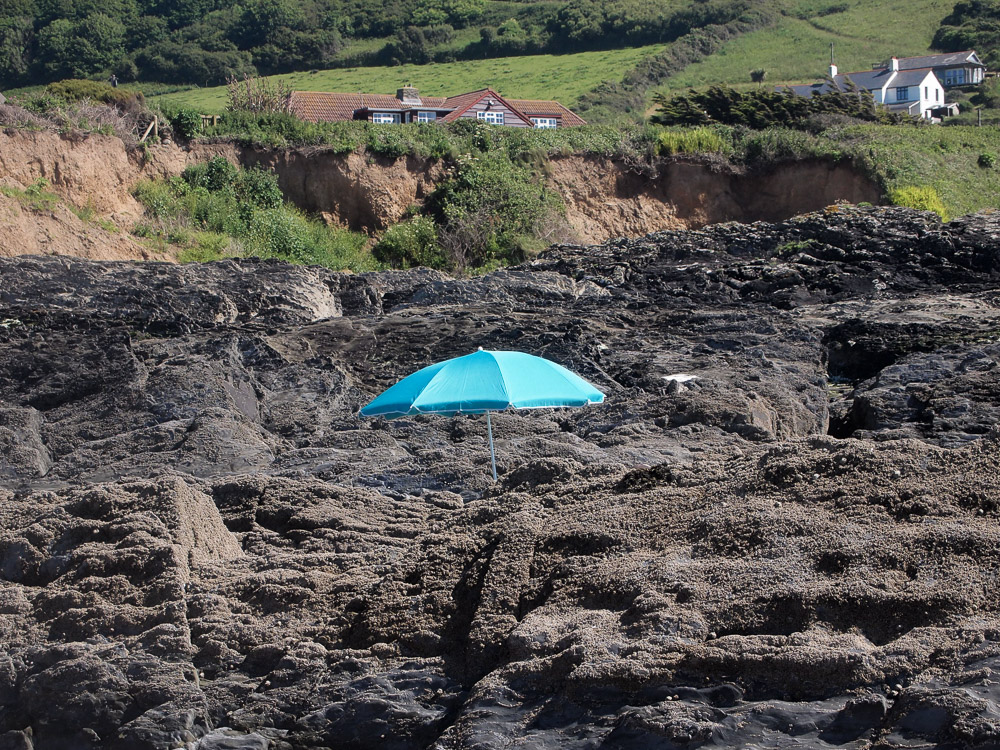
[493, 455]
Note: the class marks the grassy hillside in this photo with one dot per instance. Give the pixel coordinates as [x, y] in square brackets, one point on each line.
[797, 48]
[204, 42]
[959, 163]
[562, 77]
[794, 49]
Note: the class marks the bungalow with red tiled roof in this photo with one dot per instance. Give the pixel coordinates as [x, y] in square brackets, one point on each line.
[407, 105]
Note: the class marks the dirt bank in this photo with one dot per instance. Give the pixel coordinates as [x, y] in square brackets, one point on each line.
[93, 172]
[604, 197]
[362, 192]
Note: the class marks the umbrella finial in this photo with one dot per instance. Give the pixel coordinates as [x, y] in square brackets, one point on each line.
[480, 348]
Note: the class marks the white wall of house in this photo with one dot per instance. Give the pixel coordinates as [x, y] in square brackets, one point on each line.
[929, 93]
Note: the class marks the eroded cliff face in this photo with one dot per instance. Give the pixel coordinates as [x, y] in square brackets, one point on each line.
[604, 197]
[359, 191]
[95, 172]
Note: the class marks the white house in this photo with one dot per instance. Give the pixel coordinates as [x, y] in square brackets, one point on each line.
[952, 68]
[916, 91]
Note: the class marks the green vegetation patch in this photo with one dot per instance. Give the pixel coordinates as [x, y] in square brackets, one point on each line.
[35, 197]
[972, 24]
[945, 159]
[216, 210]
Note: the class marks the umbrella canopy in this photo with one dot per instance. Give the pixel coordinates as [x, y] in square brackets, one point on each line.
[482, 382]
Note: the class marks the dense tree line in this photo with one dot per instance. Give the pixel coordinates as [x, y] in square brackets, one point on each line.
[206, 41]
[972, 24]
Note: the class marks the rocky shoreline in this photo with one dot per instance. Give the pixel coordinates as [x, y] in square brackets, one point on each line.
[780, 530]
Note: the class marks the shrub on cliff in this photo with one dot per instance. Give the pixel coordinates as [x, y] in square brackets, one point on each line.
[923, 198]
[186, 123]
[491, 210]
[255, 186]
[74, 90]
[217, 199]
[215, 175]
[409, 244]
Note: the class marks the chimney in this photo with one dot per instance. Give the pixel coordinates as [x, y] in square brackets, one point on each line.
[408, 95]
[833, 70]
[894, 64]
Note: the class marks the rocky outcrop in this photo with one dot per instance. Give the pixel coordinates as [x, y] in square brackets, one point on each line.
[780, 529]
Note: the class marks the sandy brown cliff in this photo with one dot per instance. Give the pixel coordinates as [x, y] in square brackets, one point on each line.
[604, 197]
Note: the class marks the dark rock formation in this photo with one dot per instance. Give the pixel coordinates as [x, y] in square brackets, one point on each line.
[780, 530]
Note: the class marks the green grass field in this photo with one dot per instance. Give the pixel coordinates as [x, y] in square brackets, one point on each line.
[562, 77]
[797, 49]
[946, 159]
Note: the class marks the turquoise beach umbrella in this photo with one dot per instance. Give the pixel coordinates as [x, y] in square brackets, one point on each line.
[482, 382]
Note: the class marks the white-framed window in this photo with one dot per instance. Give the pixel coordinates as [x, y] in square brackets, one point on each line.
[426, 116]
[902, 93]
[545, 123]
[385, 118]
[493, 118]
[937, 95]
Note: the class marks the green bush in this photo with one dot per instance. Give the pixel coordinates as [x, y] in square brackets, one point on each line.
[389, 140]
[987, 160]
[923, 198]
[186, 123]
[215, 175]
[75, 89]
[277, 233]
[490, 209]
[690, 141]
[764, 147]
[412, 243]
[159, 198]
[259, 187]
